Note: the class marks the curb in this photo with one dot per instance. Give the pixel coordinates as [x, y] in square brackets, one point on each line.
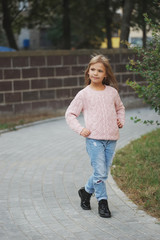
[31, 124]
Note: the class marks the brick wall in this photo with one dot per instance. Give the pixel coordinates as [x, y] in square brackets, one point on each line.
[46, 81]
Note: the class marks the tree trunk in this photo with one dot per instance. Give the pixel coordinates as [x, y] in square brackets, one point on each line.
[7, 25]
[109, 34]
[108, 18]
[144, 24]
[66, 25]
[127, 10]
[144, 35]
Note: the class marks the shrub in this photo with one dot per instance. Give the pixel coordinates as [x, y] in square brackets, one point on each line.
[147, 65]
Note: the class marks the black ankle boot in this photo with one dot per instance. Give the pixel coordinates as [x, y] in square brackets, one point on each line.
[103, 209]
[85, 198]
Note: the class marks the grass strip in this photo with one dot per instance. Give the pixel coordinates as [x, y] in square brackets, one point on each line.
[10, 122]
[136, 170]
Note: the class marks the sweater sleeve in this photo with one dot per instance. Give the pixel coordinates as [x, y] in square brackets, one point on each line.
[120, 109]
[72, 112]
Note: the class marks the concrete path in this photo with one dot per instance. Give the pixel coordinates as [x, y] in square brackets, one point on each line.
[41, 169]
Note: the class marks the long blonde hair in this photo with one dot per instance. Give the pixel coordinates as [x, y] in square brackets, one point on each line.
[110, 79]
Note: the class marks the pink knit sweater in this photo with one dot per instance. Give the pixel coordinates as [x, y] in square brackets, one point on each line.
[101, 109]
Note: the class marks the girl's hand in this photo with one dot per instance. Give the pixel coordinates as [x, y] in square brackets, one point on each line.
[119, 124]
[85, 132]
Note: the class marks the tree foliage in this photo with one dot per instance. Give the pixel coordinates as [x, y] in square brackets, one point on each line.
[137, 19]
[12, 19]
[73, 24]
[147, 66]
[86, 21]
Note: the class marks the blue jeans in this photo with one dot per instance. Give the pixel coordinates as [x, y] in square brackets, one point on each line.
[101, 153]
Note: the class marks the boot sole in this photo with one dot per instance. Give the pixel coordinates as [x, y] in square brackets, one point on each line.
[103, 216]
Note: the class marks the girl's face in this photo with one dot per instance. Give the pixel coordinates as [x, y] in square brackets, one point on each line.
[97, 73]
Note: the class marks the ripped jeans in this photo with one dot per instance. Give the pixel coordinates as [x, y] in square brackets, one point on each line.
[101, 153]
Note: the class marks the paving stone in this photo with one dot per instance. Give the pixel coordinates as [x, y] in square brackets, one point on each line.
[42, 166]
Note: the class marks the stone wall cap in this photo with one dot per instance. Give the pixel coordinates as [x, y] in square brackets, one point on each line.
[29, 53]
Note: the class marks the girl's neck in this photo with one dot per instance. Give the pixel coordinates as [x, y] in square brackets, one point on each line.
[97, 87]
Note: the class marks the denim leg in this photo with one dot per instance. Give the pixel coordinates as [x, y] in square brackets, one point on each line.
[110, 146]
[101, 154]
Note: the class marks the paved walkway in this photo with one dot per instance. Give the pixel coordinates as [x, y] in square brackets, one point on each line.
[41, 169]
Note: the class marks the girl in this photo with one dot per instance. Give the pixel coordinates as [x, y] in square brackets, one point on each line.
[103, 114]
